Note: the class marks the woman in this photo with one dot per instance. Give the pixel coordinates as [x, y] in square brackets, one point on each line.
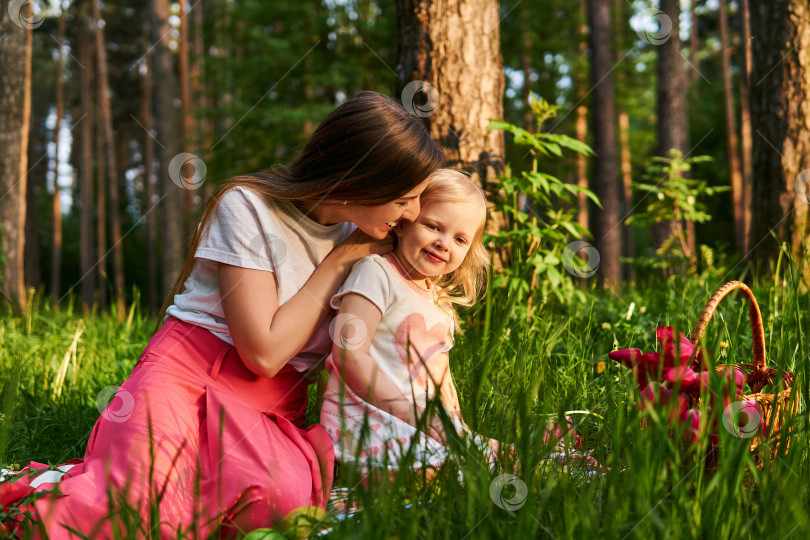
[208, 430]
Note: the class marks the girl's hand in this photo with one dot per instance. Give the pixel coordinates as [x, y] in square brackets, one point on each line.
[358, 245]
[434, 428]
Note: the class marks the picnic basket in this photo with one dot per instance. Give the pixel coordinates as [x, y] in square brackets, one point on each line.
[774, 408]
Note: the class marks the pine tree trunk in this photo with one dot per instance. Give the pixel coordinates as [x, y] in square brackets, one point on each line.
[671, 102]
[101, 206]
[56, 243]
[731, 131]
[526, 67]
[148, 177]
[780, 115]
[455, 47]
[606, 178]
[745, 120]
[86, 250]
[15, 111]
[694, 72]
[624, 145]
[37, 173]
[581, 126]
[199, 93]
[185, 98]
[112, 166]
[169, 136]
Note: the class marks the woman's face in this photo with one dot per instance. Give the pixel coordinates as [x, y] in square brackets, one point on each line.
[377, 221]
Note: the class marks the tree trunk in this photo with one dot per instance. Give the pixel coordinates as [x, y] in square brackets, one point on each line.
[606, 179]
[581, 127]
[624, 145]
[745, 120]
[37, 178]
[693, 41]
[112, 166]
[526, 67]
[56, 244]
[86, 263]
[15, 112]
[455, 47]
[780, 115]
[101, 207]
[169, 136]
[202, 137]
[148, 176]
[731, 131]
[188, 118]
[671, 101]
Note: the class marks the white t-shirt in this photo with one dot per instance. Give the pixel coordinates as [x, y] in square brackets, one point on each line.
[409, 316]
[252, 231]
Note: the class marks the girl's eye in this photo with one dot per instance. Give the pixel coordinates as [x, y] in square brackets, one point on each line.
[461, 240]
[433, 227]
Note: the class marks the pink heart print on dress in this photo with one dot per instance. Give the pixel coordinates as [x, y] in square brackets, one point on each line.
[425, 345]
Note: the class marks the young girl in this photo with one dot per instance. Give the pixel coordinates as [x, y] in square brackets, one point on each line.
[395, 326]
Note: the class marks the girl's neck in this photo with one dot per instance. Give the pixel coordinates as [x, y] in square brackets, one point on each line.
[421, 282]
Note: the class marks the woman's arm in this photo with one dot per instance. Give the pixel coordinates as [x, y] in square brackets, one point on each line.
[363, 375]
[266, 336]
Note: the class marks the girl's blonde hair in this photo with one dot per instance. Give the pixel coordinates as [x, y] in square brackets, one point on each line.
[463, 285]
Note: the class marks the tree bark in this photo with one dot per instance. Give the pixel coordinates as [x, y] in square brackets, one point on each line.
[731, 131]
[780, 117]
[185, 98]
[745, 120]
[455, 47]
[693, 42]
[101, 206]
[112, 166]
[671, 101]
[170, 138]
[56, 243]
[15, 112]
[581, 126]
[624, 146]
[86, 251]
[606, 179]
[148, 176]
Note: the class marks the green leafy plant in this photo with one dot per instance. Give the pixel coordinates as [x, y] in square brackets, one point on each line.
[672, 197]
[540, 213]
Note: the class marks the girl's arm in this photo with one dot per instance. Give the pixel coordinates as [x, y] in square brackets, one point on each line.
[266, 336]
[449, 398]
[362, 374]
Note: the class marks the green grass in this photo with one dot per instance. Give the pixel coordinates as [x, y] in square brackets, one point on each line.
[512, 374]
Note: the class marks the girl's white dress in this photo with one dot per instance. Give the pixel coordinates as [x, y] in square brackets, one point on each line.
[407, 346]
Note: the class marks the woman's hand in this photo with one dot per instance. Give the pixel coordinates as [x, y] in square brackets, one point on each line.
[358, 245]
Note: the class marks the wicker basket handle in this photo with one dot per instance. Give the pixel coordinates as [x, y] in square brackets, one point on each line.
[753, 313]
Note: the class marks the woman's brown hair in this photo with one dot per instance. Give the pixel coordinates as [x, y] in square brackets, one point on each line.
[368, 151]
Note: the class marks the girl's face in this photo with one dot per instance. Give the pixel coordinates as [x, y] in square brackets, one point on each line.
[377, 221]
[437, 242]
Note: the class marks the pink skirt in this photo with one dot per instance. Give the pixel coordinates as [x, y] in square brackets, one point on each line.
[195, 435]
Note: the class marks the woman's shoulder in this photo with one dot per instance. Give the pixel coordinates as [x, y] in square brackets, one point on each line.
[245, 197]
